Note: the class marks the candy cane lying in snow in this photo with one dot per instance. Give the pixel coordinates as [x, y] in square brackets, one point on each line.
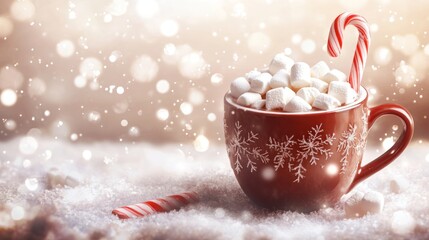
[158, 205]
[335, 43]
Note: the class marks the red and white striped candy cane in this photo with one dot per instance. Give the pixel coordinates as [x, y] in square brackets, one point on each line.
[335, 43]
[158, 205]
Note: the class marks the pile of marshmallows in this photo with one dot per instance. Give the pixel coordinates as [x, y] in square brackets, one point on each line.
[293, 87]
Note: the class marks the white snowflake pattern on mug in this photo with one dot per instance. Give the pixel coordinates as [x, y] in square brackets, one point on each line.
[312, 146]
[241, 145]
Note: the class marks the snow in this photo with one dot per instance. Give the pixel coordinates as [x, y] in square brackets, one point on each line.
[119, 174]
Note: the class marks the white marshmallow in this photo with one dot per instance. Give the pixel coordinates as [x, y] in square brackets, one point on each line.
[360, 204]
[352, 206]
[308, 94]
[260, 104]
[334, 75]
[319, 69]
[342, 91]
[321, 85]
[252, 75]
[239, 86]
[297, 104]
[280, 79]
[300, 75]
[56, 178]
[248, 98]
[398, 185]
[261, 83]
[324, 101]
[277, 98]
[280, 61]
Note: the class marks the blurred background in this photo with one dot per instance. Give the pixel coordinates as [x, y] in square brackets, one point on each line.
[156, 71]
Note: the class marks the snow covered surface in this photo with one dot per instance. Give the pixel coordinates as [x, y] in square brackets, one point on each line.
[116, 174]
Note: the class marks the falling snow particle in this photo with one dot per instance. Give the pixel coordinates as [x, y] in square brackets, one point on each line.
[79, 81]
[10, 125]
[382, 55]
[216, 79]
[17, 213]
[120, 90]
[134, 132]
[192, 65]
[169, 28]
[94, 116]
[90, 68]
[211, 117]
[124, 123]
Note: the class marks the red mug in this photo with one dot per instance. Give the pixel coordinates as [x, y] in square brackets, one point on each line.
[305, 161]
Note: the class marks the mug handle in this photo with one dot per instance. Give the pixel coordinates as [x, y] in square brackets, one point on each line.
[393, 152]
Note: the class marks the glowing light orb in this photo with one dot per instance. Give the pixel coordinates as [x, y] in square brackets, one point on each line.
[36, 87]
[134, 131]
[79, 81]
[332, 169]
[32, 184]
[10, 125]
[124, 123]
[162, 114]
[201, 143]
[387, 143]
[90, 67]
[162, 86]
[169, 28]
[17, 213]
[308, 46]
[22, 10]
[258, 42]
[211, 117]
[192, 65]
[196, 97]
[86, 154]
[120, 90]
[147, 8]
[10, 77]
[405, 74]
[268, 173]
[382, 55]
[186, 108]
[216, 79]
[8, 97]
[6, 27]
[65, 48]
[144, 69]
[94, 116]
[28, 145]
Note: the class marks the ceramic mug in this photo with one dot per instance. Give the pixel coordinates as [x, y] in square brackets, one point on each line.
[305, 161]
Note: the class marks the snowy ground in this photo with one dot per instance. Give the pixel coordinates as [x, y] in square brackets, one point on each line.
[113, 175]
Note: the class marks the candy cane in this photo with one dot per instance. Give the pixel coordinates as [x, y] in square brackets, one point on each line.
[158, 205]
[335, 43]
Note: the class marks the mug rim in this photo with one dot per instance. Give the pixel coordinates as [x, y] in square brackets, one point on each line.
[362, 98]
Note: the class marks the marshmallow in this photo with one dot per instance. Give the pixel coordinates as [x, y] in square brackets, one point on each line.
[277, 98]
[261, 83]
[280, 79]
[260, 104]
[280, 61]
[324, 101]
[56, 178]
[361, 204]
[300, 75]
[319, 69]
[398, 185]
[248, 98]
[342, 91]
[334, 75]
[322, 86]
[308, 94]
[297, 104]
[252, 75]
[239, 86]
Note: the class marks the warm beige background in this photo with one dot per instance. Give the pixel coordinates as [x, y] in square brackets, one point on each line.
[193, 45]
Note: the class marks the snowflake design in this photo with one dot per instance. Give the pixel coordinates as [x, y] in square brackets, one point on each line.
[346, 145]
[240, 147]
[351, 141]
[284, 151]
[311, 147]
